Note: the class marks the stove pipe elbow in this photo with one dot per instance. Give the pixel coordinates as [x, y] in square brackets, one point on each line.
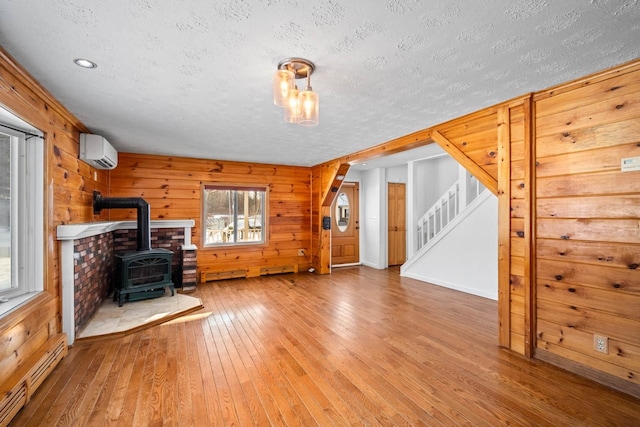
[142, 209]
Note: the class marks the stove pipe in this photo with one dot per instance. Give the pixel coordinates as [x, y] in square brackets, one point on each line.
[143, 214]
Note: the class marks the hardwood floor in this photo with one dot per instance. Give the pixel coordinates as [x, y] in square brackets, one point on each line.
[358, 347]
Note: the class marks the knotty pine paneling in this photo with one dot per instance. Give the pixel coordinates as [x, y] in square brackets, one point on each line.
[69, 184]
[516, 205]
[477, 138]
[619, 255]
[588, 225]
[600, 136]
[173, 188]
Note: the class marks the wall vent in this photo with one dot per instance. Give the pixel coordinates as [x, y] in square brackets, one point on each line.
[18, 389]
[47, 362]
[12, 402]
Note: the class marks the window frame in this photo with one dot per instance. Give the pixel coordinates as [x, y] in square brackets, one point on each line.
[264, 188]
[27, 219]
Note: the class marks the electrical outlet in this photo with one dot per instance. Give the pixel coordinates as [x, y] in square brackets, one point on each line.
[601, 344]
[300, 252]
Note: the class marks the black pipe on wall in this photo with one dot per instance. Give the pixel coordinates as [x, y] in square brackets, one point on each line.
[143, 214]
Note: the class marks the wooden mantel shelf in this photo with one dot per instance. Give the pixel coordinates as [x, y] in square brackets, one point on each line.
[87, 229]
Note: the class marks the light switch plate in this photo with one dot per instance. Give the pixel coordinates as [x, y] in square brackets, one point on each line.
[630, 164]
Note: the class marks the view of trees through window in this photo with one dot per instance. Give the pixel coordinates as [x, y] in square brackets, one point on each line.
[233, 215]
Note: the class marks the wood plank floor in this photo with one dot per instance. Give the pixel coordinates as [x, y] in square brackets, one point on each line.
[358, 347]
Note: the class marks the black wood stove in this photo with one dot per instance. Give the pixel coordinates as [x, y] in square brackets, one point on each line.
[145, 272]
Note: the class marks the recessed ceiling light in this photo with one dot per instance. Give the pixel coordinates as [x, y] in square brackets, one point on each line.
[85, 63]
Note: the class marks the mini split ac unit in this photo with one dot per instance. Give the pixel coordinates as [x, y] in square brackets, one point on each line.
[96, 151]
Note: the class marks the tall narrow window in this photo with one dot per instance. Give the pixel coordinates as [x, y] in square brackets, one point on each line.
[21, 217]
[7, 217]
[234, 215]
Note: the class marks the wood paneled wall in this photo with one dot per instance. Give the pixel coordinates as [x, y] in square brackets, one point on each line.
[69, 183]
[588, 224]
[173, 187]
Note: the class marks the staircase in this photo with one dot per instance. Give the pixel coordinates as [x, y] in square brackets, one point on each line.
[446, 209]
[462, 254]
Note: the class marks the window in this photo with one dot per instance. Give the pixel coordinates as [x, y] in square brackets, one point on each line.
[21, 217]
[234, 215]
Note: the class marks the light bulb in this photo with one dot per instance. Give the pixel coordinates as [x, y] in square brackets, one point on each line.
[292, 109]
[310, 108]
[283, 81]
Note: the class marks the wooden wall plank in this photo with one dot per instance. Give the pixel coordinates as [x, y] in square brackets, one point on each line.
[589, 320]
[602, 367]
[603, 159]
[613, 279]
[580, 341]
[610, 89]
[602, 230]
[590, 113]
[598, 253]
[592, 138]
[617, 206]
[603, 300]
[594, 184]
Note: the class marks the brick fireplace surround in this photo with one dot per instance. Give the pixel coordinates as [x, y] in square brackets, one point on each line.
[87, 262]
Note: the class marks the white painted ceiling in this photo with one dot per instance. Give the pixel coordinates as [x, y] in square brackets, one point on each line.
[193, 77]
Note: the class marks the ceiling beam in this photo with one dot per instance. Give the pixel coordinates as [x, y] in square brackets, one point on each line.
[404, 143]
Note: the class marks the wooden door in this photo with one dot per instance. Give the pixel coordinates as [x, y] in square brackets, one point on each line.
[397, 224]
[345, 234]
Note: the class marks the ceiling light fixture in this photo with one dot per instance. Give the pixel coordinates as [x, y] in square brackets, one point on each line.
[85, 63]
[300, 107]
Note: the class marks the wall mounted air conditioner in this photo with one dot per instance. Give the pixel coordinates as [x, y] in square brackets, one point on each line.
[96, 151]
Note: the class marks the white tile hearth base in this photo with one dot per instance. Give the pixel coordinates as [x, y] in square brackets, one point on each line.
[132, 316]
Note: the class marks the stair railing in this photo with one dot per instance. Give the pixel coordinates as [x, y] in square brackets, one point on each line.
[446, 208]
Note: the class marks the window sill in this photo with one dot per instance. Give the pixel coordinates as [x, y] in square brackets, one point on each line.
[15, 302]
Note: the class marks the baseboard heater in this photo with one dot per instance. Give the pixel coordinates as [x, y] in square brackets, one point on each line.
[18, 389]
[211, 276]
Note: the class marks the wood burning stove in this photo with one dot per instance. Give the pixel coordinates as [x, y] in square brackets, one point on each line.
[145, 272]
[142, 274]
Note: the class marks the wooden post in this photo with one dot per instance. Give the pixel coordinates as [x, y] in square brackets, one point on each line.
[504, 228]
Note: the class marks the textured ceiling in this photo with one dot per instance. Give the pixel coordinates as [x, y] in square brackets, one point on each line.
[193, 77]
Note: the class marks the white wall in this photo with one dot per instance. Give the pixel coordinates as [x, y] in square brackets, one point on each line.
[466, 259]
[397, 174]
[373, 218]
[432, 178]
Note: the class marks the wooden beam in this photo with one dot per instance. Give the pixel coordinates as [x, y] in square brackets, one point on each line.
[476, 170]
[529, 229]
[404, 143]
[504, 228]
[334, 181]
